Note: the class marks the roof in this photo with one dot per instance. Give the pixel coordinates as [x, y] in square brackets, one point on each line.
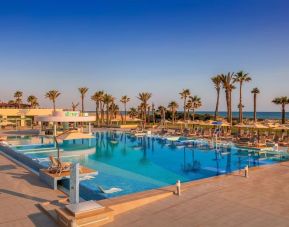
[61, 116]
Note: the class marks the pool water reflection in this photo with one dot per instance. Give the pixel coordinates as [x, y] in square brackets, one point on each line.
[134, 164]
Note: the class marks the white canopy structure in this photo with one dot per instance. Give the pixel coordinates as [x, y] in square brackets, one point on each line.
[66, 117]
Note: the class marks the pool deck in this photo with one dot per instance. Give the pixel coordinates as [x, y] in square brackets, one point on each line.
[260, 200]
[20, 193]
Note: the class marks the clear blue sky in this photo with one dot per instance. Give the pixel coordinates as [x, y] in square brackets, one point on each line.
[124, 47]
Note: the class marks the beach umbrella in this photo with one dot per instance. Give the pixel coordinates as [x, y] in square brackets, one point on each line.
[240, 125]
[220, 123]
[202, 123]
[217, 123]
[195, 122]
[280, 127]
[181, 123]
[259, 126]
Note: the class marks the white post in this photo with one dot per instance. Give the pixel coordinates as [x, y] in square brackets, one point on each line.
[74, 184]
[54, 129]
[178, 184]
[246, 171]
[89, 128]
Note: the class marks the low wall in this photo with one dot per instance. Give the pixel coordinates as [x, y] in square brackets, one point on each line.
[21, 158]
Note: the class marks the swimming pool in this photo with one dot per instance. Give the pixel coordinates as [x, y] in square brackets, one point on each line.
[133, 164]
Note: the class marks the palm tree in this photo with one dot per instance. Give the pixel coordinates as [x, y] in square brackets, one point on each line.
[153, 113]
[114, 110]
[124, 99]
[255, 92]
[83, 91]
[173, 106]
[283, 101]
[148, 113]
[144, 98]
[140, 111]
[52, 96]
[217, 84]
[74, 106]
[196, 103]
[132, 113]
[107, 100]
[32, 100]
[162, 111]
[18, 98]
[241, 77]
[188, 107]
[184, 95]
[97, 97]
[228, 85]
[11, 102]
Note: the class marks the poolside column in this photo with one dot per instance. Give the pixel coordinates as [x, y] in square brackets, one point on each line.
[22, 121]
[54, 129]
[74, 184]
[89, 128]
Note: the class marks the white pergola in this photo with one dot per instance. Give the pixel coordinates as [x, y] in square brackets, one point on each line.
[65, 117]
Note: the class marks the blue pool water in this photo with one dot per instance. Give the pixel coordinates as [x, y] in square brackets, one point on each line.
[136, 164]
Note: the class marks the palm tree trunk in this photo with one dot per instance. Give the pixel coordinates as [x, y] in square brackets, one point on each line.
[193, 114]
[96, 113]
[283, 114]
[255, 107]
[148, 116]
[54, 108]
[102, 113]
[185, 101]
[240, 105]
[125, 113]
[217, 104]
[144, 114]
[107, 114]
[228, 106]
[82, 105]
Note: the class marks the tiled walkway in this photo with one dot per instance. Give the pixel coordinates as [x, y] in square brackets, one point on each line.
[260, 200]
[20, 192]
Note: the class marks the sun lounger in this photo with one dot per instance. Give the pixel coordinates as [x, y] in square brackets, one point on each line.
[56, 166]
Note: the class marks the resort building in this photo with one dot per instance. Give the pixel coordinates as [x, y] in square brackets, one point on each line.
[21, 117]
